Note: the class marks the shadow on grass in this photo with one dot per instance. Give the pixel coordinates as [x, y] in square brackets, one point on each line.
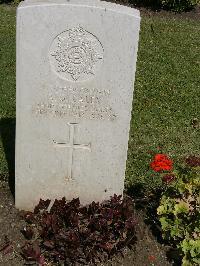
[148, 204]
[7, 134]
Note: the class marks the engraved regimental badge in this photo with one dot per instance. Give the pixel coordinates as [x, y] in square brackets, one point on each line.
[76, 54]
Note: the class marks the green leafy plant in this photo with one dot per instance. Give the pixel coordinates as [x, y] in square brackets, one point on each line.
[179, 210]
[191, 249]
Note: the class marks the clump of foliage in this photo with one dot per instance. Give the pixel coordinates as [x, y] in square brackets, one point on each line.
[173, 5]
[179, 210]
[69, 233]
[179, 5]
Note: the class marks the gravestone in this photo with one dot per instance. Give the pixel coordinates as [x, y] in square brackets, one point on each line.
[76, 64]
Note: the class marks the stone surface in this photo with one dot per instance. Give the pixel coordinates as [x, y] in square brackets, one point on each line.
[76, 64]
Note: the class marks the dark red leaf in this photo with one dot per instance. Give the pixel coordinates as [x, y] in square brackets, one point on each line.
[28, 217]
[74, 219]
[43, 205]
[41, 260]
[31, 252]
[131, 223]
[107, 246]
[28, 233]
[193, 161]
[93, 208]
[168, 178]
[49, 244]
[6, 249]
[75, 203]
[59, 207]
[72, 234]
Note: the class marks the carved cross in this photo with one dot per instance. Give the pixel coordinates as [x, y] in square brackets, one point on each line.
[72, 146]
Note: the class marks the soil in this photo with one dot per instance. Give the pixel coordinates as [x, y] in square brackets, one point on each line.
[10, 226]
[146, 252]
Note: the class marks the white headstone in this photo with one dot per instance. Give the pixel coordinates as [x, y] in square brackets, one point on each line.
[76, 64]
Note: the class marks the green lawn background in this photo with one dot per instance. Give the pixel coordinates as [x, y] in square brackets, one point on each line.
[166, 105]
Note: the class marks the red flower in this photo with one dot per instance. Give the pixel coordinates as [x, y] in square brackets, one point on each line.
[151, 258]
[161, 163]
[168, 178]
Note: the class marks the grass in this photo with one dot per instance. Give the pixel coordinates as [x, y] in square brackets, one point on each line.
[7, 62]
[7, 89]
[167, 94]
[166, 97]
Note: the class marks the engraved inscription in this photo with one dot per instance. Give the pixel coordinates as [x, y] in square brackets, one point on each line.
[76, 54]
[72, 146]
[71, 102]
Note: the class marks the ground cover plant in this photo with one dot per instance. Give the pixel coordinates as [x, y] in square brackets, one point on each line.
[69, 233]
[179, 210]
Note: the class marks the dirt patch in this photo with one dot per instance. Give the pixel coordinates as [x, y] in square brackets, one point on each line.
[10, 226]
[146, 252]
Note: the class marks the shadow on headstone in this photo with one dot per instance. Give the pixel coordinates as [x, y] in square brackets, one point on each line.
[7, 134]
